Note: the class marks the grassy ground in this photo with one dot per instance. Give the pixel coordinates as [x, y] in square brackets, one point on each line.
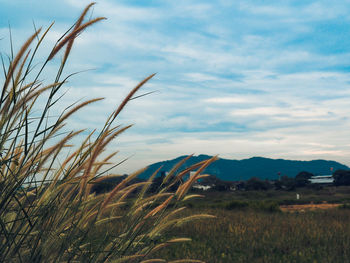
[328, 194]
[249, 234]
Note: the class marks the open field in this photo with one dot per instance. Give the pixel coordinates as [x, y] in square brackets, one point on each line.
[250, 234]
[330, 194]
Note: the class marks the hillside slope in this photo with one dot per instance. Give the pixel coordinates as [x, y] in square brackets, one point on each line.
[264, 168]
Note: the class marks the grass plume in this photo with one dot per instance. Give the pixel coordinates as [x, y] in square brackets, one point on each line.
[48, 209]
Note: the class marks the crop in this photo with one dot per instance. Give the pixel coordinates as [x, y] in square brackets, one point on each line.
[48, 211]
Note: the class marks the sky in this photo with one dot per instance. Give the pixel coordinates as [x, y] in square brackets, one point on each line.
[236, 78]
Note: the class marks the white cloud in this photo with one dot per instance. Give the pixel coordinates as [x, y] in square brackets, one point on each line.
[230, 100]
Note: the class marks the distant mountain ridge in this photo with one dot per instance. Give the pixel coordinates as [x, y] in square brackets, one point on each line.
[263, 168]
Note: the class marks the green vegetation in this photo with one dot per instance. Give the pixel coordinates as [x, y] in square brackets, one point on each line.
[249, 227]
[256, 236]
[329, 194]
[342, 177]
[48, 211]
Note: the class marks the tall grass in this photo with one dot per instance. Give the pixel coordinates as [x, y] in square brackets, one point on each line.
[48, 212]
[258, 236]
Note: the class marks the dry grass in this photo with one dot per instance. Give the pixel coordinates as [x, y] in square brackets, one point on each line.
[47, 210]
[307, 207]
[255, 236]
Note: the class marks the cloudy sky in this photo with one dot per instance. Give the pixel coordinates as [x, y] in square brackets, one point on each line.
[236, 78]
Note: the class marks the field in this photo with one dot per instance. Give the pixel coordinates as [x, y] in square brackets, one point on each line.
[259, 232]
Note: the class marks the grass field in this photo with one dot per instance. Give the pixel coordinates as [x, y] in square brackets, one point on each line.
[250, 234]
[329, 194]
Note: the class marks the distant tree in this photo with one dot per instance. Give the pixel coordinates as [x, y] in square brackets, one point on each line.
[107, 184]
[341, 177]
[255, 183]
[223, 186]
[278, 184]
[286, 183]
[302, 179]
[210, 180]
[216, 183]
[158, 182]
[240, 185]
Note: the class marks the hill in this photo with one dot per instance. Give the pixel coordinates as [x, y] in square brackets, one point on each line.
[263, 168]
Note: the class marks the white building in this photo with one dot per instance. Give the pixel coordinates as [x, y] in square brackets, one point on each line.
[202, 187]
[322, 179]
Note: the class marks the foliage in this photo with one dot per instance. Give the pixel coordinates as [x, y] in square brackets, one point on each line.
[257, 184]
[266, 206]
[341, 177]
[237, 204]
[302, 179]
[216, 184]
[344, 206]
[286, 183]
[48, 211]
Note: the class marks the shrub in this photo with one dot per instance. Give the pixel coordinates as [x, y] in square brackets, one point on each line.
[257, 184]
[341, 177]
[48, 211]
[344, 206]
[302, 179]
[232, 205]
[266, 206]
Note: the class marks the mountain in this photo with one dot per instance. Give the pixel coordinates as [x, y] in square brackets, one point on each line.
[263, 168]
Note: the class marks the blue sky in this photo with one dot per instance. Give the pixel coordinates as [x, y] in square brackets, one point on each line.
[235, 78]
